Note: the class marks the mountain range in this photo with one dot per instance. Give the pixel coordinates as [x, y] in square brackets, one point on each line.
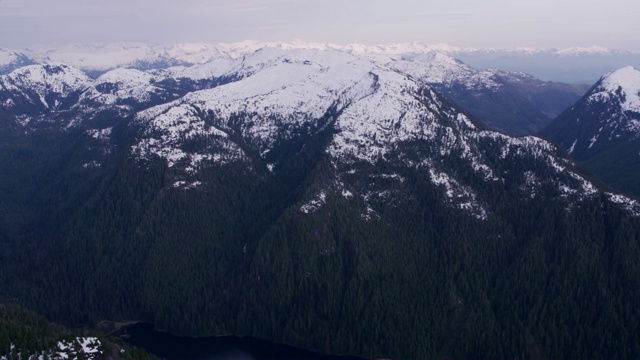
[576, 65]
[494, 97]
[323, 198]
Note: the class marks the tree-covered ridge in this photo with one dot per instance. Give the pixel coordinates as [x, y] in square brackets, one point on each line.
[401, 275]
[26, 335]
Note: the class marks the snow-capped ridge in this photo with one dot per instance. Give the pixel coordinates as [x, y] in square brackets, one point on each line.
[43, 85]
[7, 57]
[578, 50]
[211, 69]
[279, 88]
[56, 77]
[121, 85]
[378, 110]
[11, 60]
[442, 69]
[102, 58]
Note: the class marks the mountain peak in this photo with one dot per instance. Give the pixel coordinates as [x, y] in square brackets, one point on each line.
[627, 76]
[51, 74]
[603, 128]
[626, 82]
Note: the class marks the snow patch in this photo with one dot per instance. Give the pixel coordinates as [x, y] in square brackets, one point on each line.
[314, 204]
[531, 183]
[628, 204]
[100, 134]
[88, 347]
[459, 196]
[186, 185]
[92, 165]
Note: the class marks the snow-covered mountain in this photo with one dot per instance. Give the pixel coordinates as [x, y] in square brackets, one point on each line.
[436, 68]
[248, 109]
[513, 102]
[497, 98]
[603, 128]
[491, 96]
[38, 91]
[65, 94]
[608, 114]
[625, 84]
[572, 65]
[11, 60]
[96, 59]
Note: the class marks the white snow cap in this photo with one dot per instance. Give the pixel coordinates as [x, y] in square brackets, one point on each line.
[626, 79]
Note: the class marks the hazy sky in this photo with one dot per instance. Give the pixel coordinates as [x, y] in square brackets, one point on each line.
[489, 23]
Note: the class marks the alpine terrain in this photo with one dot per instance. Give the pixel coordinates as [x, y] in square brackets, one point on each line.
[512, 102]
[603, 129]
[316, 197]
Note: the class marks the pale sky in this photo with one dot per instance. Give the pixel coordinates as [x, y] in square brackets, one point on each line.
[614, 24]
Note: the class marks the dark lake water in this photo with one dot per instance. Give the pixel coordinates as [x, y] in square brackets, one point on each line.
[173, 347]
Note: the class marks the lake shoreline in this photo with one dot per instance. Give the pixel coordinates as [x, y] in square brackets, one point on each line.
[220, 347]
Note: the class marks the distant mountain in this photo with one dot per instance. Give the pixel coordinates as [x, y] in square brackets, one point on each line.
[97, 59]
[315, 197]
[603, 129]
[575, 65]
[34, 93]
[513, 102]
[11, 60]
[571, 65]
